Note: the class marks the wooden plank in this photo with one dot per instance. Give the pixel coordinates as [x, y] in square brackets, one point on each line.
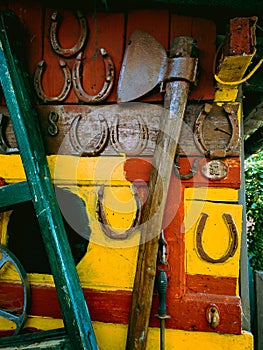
[258, 275]
[118, 301]
[204, 31]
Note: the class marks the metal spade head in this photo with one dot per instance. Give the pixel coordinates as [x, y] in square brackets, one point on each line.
[144, 66]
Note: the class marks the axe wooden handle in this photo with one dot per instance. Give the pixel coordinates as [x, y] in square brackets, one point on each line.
[175, 100]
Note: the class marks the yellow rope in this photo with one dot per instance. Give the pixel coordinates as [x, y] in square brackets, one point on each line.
[242, 80]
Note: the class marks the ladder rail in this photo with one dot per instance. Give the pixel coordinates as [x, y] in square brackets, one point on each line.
[73, 305]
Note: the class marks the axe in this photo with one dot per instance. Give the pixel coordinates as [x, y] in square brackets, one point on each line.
[146, 65]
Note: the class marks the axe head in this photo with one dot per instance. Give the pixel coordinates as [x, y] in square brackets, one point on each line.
[144, 66]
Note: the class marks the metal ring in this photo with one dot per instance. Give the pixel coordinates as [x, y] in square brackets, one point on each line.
[84, 150]
[107, 86]
[19, 320]
[38, 82]
[102, 218]
[79, 44]
[233, 235]
[142, 142]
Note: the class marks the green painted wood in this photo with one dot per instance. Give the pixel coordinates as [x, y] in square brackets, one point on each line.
[11, 195]
[54, 339]
[16, 87]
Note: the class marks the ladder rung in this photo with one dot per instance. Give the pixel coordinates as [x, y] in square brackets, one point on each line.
[11, 195]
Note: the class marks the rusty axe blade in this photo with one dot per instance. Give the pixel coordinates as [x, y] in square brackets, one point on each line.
[137, 79]
[145, 65]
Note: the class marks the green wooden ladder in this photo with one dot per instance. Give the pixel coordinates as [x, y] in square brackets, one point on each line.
[78, 333]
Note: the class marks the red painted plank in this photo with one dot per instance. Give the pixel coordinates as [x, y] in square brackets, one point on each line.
[187, 313]
[31, 15]
[204, 31]
[211, 284]
[156, 23]
[139, 169]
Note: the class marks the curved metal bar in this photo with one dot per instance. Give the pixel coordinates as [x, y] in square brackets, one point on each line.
[191, 173]
[38, 82]
[4, 148]
[5, 257]
[233, 236]
[142, 142]
[53, 34]
[84, 150]
[234, 140]
[102, 218]
[107, 86]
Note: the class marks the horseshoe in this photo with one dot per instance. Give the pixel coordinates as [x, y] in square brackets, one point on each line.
[8, 257]
[84, 150]
[107, 86]
[38, 82]
[79, 44]
[102, 218]
[191, 173]
[4, 148]
[198, 134]
[142, 142]
[233, 234]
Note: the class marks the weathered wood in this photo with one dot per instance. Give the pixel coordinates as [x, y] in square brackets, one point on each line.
[217, 130]
[174, 104]
[258, 275]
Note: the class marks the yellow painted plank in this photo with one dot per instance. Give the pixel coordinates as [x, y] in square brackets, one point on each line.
[70, 169]
[113, 336]
[232, 69]
[211, 194]
[216, 238]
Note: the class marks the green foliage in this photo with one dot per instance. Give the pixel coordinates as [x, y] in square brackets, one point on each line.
[254, 202]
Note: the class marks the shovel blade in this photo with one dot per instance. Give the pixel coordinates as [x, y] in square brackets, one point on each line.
[144, 66]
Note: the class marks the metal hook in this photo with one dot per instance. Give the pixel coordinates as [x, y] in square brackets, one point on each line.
[79, 44]
[107, 86]
[142, 142]
[191, 173]
[84, 150]
[38, 82]
[102, 218]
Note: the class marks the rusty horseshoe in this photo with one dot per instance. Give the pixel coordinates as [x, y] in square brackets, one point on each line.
[142, 142]
[86, 150]
[233, 235]
[107, 86]
[54, 35]
[102, 218]
[191, 173]
[198, 132]
[38, 82]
